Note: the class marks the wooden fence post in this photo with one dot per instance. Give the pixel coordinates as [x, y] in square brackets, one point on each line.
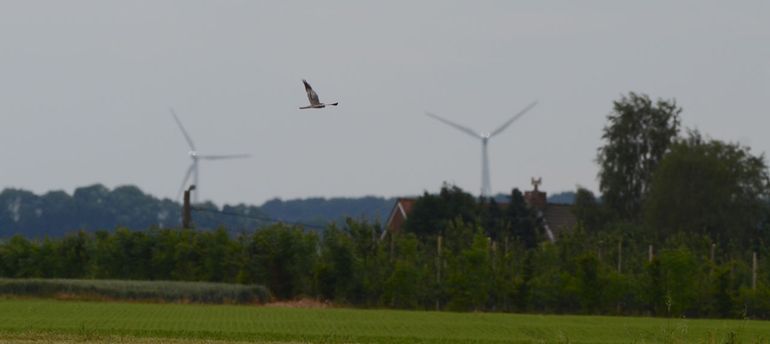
[438, 259]
[649, 254]
[620, 255]
[438, 269]
[754, 272]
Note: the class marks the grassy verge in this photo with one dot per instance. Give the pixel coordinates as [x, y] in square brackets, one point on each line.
[159, 291]
[135, 322]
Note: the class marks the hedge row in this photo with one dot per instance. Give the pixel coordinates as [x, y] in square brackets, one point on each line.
[164, 291]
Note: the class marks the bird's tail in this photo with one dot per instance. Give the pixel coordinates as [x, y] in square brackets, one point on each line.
[305, 107]
[333, 104]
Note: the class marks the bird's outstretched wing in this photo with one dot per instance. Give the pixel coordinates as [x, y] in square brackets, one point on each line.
[311, 95]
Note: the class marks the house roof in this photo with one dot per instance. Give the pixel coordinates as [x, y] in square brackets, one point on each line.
[559, 218]
[399, 213]
[402, 207]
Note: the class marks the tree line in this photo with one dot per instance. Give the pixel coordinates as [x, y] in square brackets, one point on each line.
[675, 232]
[491, 260]
[96, 207]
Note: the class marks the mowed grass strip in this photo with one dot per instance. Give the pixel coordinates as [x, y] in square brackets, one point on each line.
[105, 321]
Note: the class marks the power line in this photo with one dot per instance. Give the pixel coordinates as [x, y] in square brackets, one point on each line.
[260, 218]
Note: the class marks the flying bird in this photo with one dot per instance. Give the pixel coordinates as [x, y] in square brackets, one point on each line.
[313, 98]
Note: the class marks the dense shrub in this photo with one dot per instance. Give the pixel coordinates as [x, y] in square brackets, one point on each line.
[466, 269]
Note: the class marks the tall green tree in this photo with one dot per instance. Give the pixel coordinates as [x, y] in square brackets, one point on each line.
[372, 262]
[470, 280]
[281, 258]
[73, 255]
[637, 136]
[403, 288]
[520, 221]
[18, 258]
[432, 214]
[590, 283]
[709, 187]
[336, 267]
[588, 211]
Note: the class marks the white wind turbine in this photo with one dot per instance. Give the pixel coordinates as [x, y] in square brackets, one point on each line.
[486, 188]
[193, 153]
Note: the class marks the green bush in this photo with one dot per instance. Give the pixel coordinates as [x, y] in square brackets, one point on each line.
[755, 304]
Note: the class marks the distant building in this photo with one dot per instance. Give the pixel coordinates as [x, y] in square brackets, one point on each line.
[398, 214]
[556, 218]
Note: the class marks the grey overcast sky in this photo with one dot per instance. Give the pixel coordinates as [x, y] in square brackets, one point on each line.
[85, 88]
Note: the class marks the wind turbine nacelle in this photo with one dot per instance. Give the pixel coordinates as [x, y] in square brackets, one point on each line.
[193, 154]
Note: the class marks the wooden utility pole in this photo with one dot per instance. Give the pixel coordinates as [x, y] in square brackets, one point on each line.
[754, 272]
[649, 254]
[620, 255]
[438, 269]
[505, 247]
[438, 259]
[493, 254]
[187, 209]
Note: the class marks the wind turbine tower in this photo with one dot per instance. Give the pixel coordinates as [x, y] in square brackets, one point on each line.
[486, 187]
[195, 157]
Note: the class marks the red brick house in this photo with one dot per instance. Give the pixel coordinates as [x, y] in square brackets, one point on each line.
[557, 218]
[398, 214]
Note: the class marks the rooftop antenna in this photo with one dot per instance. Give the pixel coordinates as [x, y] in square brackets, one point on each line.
[195, 157]
[486, 188]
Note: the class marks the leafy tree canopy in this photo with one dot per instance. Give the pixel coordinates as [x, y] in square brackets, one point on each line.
[708, 187]
[588, 211]
[432, 213]
[636, 138]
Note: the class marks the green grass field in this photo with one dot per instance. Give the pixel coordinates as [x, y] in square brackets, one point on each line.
[38, 320]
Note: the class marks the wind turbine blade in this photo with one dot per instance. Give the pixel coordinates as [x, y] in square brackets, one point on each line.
[184, 132]
[222, 157]
[184, 181]
[513, 119]
[464, 129]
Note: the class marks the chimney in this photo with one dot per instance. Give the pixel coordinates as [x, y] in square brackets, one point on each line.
[536, 198]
